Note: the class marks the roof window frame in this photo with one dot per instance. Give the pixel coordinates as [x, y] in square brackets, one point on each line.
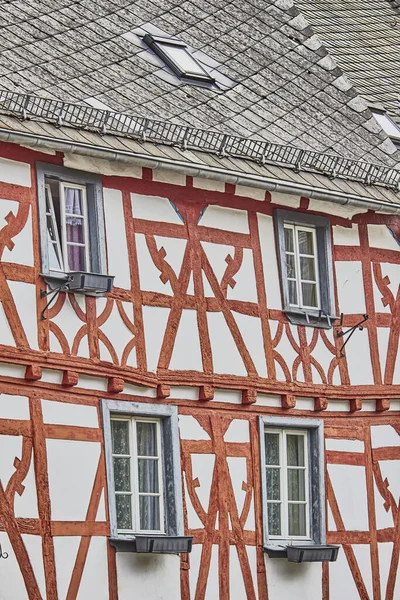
[157, 44]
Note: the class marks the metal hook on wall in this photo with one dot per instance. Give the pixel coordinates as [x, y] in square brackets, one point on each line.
[349, 332]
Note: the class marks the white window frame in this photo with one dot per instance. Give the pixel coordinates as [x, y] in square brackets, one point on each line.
[283, 469]
[134, 457]
[314, 429]
[167, 417]
[51, 214]
[297, 255]
[63, 216]
[93, 216]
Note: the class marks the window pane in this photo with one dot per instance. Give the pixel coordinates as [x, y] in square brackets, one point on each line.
[307, 268]
[148, 475]
[295, 450]
[73, 202]
[273, 484]
[75, 230]
[124, 515]
[183, 59]
[296, 484]
[274, 519]
[146, 438]
[289, 246]
[290, 266]
[292, 292]
[76, 258]
[120, 437]
[149, 508]
[309, 291]
[297, 519]
[306, 242]
[54, 254]
[122, 476]
[272, 448]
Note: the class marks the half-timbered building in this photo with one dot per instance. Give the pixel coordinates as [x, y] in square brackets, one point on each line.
[199, 303]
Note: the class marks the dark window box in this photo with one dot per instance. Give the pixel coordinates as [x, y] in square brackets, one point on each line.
[306, 553]
[89, 283]
[156, 544]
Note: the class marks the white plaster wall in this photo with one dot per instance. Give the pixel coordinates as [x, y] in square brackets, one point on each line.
[379, 236]
[152, 576]
[64, 413]
[186, 354]
[165, 176]
[341, 581]
[245, 279]
[237, 588]
[350, 287]
[117, 247]
[24, 295]
[118, 333]
[154, 208]
[285, 200]
[359, 359]
[69, 323]
[349, 485]
[269, 259]
[102, 166]
[72, 468]
[226, 356]
[346, 236]
[14, 407]
[94, 582]
[229, 219]
[12, 585]
[287, 581]
[155, 321]
[190, 429]
[347, 212]
[22, 251]
[251, 330]
[14, 171]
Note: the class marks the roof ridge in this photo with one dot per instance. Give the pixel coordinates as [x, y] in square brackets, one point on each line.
[104, 122]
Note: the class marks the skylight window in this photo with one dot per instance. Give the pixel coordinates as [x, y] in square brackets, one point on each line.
[387, 125]
[176, 55]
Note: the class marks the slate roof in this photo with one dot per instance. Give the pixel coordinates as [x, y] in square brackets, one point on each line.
[288, 89]
[364, 38]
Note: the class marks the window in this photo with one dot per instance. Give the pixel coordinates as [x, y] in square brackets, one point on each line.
[292, 480]
[305, 263]
[71, 221]
[136, 450]
[144, 475]
[286, 464]
[176, 55]
[387, 125]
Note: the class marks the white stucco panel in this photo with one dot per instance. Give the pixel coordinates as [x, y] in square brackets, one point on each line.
[228, 219]
[155, 321]
[26, 505]
[186, 354]
[237, 587]
[6, 335]
[14, 407]
[390, 470]
[117, 247]
[190, 429]
[69, 323]
[33, 545]
[341, 581]
[350, 287]
[10, 448]
[24, 295]
[94, 582]
[384, 435]
[359, 359]
[238, 431]
[332, 208]
[12, 583]
[65, 413]
[65, 551]
[245, 288]
[269, 260]
[349, 486]
[285, 199]
[193, 520]
[251, 330]
[118, 333]
[22, 251]
[289, 355]
[393, 272]
[384, 518]
[72, 468]
[14, 171]
[226, 357]
[203, 468]
[154, 208]
[346, 236]
[340, 445]
[147, 576]
[287, 580]
[238, 473]
[379, 236]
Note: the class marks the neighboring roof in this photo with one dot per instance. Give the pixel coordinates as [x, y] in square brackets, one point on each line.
[288, 88]
[364, 37]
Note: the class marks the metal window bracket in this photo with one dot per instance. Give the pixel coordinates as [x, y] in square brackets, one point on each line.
[349, 332]
[55, 291]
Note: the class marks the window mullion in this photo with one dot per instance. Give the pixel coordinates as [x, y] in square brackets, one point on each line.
[135, 479]
[298, 271]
